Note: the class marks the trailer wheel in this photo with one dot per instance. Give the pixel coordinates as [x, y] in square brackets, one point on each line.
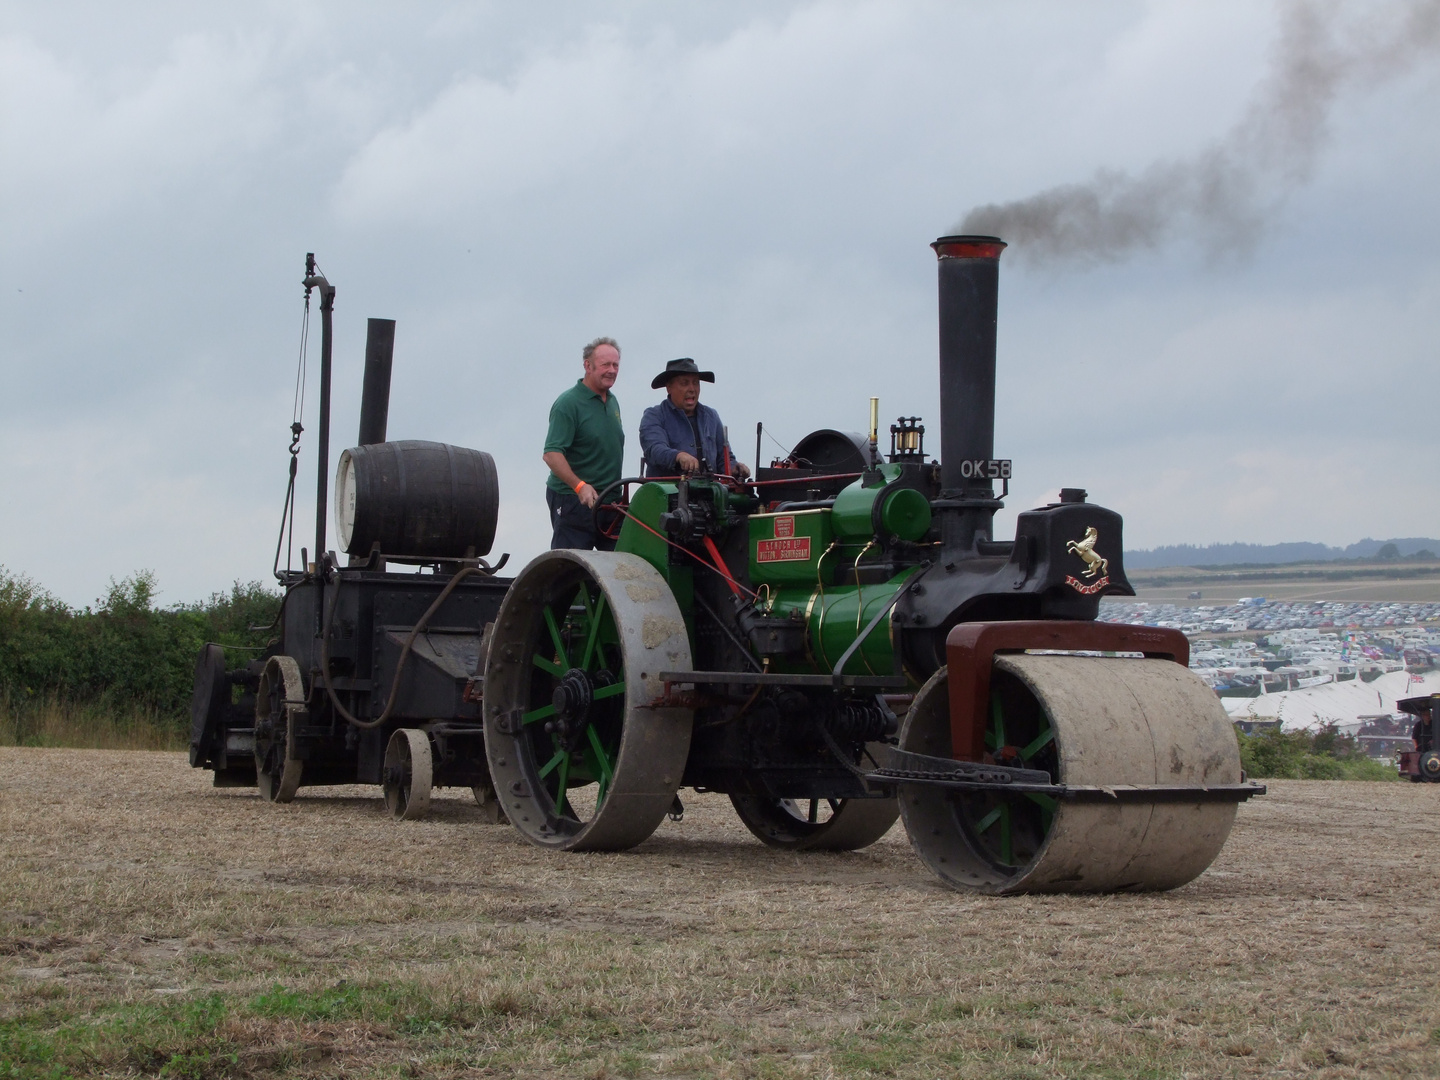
[816, 824]
[409, 770]
[1087, 721]
[584, 754]
[279, 705]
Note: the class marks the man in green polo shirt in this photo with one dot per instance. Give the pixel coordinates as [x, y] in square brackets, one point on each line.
[584, 448]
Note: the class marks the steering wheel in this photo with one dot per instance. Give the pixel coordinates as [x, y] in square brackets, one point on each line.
[609, 517]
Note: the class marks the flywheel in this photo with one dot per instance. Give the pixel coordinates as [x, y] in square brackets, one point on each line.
[816, 824]
[583, 751]
[1091, 721]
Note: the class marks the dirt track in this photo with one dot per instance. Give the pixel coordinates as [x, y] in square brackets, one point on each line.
[123, 875]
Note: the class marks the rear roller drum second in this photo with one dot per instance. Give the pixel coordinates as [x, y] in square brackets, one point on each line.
[1087, 721]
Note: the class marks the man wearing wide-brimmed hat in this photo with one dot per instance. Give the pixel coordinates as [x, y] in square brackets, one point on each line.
[680, 435]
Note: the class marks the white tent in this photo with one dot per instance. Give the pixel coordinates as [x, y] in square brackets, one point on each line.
[1333, 703]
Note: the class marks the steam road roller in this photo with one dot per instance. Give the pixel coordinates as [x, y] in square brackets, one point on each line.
[841, 642]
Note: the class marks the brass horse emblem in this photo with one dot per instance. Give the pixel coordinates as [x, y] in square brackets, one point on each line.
[1096, 563]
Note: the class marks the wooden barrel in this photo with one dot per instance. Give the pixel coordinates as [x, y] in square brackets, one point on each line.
[416, 499]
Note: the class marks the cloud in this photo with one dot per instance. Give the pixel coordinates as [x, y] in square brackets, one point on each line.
[1223, 194]
[751, 184]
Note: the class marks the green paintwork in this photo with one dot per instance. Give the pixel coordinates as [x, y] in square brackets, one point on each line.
[794, 558]
[850, 516]
[831, 616]
[647, 504]
[781, 540]
[906, 514]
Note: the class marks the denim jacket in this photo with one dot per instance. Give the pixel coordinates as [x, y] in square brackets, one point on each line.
[665, 432]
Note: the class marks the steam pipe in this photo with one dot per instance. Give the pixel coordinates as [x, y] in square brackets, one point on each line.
[375, 391]
[969, 277]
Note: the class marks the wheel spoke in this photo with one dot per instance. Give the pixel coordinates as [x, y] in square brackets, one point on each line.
[614, 690]
[1045, 802]
[1007, 848]
[555, 637]
[594, 636]
[1041, 741]
[997, 719]
[601, 758]
[989, 819]
[548, 666]
[549, 766]
[814, 811]
[563, 785]
[537, 714]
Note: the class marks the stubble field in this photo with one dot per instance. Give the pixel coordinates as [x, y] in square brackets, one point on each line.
[150, 924]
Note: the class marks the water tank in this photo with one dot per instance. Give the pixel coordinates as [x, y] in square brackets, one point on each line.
[416, 499]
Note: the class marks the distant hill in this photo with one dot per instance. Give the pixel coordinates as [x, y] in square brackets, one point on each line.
[1266, 554]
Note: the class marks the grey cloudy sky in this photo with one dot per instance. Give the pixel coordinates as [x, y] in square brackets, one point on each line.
[754, 185]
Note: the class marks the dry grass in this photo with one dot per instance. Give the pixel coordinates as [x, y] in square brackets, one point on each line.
[148, 922]
[86, 725]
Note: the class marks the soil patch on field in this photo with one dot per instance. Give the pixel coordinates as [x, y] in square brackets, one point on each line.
[152, 924]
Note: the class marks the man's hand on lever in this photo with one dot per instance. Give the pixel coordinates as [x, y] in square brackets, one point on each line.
[556, 463]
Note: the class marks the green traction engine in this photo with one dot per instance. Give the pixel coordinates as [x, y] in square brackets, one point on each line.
[841, 642]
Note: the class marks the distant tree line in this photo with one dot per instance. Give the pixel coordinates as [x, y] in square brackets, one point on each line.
[1410, 547]
[124, 653]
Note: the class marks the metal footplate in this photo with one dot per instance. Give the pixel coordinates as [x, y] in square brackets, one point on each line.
[903, 767]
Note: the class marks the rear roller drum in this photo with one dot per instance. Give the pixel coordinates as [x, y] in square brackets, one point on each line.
[581, 759]
[1087, 721]
[816, 824]
[409, 772]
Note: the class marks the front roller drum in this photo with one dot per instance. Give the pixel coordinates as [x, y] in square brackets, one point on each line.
[1091, 722]
[583, 756]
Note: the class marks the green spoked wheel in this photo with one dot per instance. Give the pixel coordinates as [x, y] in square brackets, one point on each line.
[582, 755]
[1088, 721]
[1010, 829]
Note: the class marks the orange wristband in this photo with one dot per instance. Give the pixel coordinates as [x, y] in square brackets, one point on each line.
[578, 485]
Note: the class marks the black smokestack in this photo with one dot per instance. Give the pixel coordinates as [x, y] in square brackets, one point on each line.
[375, 390]
[969, 273]
[1225, 194]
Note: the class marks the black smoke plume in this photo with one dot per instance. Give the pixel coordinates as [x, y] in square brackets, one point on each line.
[1225, 193]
